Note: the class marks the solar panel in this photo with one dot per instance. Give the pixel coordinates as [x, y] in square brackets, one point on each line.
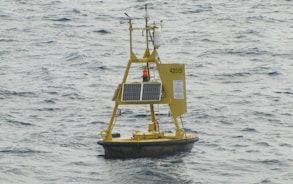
[131, 92]
[150, 91]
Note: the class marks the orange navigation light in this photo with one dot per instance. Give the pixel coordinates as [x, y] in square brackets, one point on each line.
[145, 74]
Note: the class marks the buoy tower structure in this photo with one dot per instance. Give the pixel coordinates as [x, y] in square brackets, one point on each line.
[170, 89]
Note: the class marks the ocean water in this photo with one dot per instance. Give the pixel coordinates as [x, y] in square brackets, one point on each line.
[61, 60]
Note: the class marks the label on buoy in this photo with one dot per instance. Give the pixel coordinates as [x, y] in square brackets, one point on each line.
[178, 89]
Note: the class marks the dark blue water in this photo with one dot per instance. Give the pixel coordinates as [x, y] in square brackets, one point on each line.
[60, 62]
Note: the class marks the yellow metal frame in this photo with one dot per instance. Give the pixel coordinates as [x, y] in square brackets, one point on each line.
[173, 93]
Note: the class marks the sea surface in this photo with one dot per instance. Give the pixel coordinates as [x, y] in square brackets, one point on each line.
[61, 61]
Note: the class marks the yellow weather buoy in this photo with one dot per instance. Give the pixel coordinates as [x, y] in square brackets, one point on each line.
[169, 89]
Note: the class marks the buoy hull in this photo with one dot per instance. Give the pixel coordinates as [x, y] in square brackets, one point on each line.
[131, 149]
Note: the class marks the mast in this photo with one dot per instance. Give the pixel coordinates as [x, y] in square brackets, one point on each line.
[153, 116]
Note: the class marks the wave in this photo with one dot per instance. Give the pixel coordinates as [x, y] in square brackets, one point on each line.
[261, 114]
[285, 92]
[4, 15]
[263, 19]
[12, 150]
[6, 93]
[240, 52]
[50, 101]
[273, 73]
[98, 122]
[73, 95]
[7, 40]
[156, 176]
[249, 130]
[237, 74]
[74, 56]
[62, 19]
[19, 122]
[49, 109]
[263, 144]
[102, 31]
[270, 161]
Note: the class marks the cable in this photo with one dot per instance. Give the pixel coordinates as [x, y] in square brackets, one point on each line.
[183, 127]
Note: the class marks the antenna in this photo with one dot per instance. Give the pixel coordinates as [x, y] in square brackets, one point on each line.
[146, 10]
[146, 25]
[127, 14]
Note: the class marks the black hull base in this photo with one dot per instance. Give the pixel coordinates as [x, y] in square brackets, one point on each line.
[146, 149]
